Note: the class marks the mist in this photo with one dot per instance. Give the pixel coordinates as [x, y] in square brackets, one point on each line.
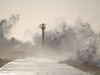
[73, 44]
[11, 48]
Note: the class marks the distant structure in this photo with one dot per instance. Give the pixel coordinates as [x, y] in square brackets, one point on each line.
[12, 55]
[43, 27]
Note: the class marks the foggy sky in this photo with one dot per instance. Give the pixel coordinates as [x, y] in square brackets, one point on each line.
[76, 44]
[35, 12]
[70, 31]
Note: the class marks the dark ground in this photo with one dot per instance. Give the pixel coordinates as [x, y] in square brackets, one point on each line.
[3, 62]
[86, 68]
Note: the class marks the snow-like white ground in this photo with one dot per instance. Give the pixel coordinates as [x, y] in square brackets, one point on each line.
[38, 66]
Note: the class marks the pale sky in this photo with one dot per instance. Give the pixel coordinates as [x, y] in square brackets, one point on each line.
[34, 12]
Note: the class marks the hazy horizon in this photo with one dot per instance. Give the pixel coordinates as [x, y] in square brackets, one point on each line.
[72, 28]
[51, 12]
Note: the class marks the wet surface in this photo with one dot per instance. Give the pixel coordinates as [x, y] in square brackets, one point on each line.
[38, 66]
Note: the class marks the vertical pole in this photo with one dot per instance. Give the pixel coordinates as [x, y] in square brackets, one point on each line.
[43, 27]
[43, 36]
